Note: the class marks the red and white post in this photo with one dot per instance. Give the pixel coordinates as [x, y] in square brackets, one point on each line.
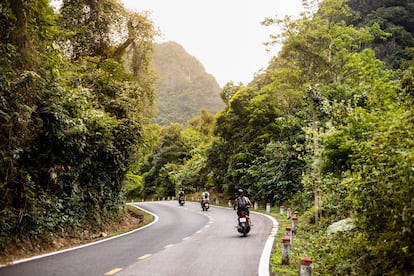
[305, 267]
[285, 250]
[288, 213]
[289, 233]
[294, 225]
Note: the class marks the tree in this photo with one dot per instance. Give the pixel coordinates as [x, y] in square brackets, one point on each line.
[27, 55]
[317, 47]
[168, 157]
[358, 105]
[69, 123]
[394, 17]
[255, 120]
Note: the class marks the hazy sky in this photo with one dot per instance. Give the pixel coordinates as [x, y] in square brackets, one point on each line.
[224, 35]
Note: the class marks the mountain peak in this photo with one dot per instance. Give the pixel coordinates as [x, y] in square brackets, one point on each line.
[183, 87]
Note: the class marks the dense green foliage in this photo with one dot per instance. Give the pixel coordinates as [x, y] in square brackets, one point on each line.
[363, 167]
[70, 113]
[257, 147]
[177, 161]
[394, 17]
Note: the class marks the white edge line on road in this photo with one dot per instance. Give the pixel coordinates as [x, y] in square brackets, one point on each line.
[264, 264]
[88, 244]
[267, 250]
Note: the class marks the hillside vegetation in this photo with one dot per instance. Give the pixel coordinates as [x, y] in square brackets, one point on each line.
[183, 86]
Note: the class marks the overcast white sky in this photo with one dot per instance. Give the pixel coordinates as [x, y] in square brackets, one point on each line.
[224, 35]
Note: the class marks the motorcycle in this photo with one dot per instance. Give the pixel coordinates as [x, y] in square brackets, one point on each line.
[205, 205]
[181, 201]
[244, 223]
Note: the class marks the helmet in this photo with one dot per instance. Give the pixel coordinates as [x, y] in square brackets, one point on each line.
[240, 191]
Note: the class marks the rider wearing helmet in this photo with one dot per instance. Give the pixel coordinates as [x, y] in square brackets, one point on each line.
[180, 194]
[242, 202]
[205, 197]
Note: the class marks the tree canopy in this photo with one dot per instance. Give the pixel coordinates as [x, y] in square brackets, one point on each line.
[73, 101]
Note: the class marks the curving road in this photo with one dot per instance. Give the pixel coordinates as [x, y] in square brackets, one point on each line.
[183, 240]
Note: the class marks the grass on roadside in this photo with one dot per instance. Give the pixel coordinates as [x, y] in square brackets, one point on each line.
[298, 248]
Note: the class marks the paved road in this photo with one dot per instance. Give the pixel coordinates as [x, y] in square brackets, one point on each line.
[183, 241]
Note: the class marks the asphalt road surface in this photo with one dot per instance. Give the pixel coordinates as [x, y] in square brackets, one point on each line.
[183, 240]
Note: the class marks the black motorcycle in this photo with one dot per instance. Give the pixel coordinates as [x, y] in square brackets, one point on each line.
[205, 205]
[244, 223]
[181, 200]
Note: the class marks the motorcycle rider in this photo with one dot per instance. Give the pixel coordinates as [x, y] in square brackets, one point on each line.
[242, 203]
[180, 194]
[205, 196]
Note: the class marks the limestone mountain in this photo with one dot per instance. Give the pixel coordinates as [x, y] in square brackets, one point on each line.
[183, 87]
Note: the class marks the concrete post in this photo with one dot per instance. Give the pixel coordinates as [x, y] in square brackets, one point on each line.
[305, 267]
[282, 209]
[268, 207]
[217, 201]
[296, 214]
[229, 203]
[289, 233]
[288, 213]
[294, 225]
[285, 250]
[256, 205]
